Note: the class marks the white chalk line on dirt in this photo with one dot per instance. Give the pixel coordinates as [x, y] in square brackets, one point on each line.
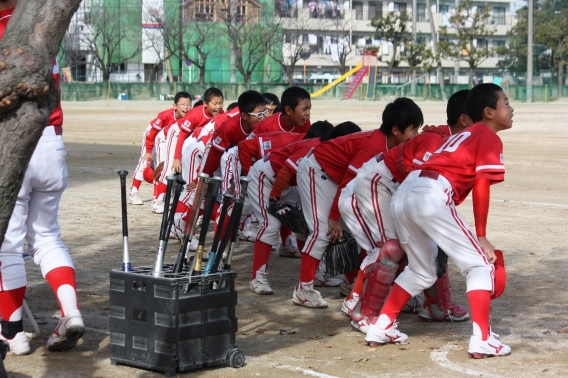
[529, 203]
[305, 371]
[439, 356]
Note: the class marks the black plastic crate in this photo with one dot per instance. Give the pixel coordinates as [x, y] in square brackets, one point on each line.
[173, 324]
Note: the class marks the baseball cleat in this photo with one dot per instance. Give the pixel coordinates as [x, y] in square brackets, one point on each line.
[491, 347]
[321, 280]
[377, 337]
[134, 199]
[308, 298]
[248, 234]
[414, 305]
[158, 207]
[348, 305]
[455, 313]
[290, 249]
[362, 324]
[68, 331]
[260, 285]
[193, 244]
[19, 345]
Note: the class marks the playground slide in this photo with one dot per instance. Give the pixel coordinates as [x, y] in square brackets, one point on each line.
[338, 80]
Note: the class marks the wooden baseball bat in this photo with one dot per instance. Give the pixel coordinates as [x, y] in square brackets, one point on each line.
[212, 191]
[169, 220]
[227, 198]
[126, 266]
[191, 220]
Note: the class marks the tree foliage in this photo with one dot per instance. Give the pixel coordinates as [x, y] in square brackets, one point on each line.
[461, 43]
[393, 28]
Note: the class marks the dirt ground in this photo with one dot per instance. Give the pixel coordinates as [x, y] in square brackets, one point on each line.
[528, 221]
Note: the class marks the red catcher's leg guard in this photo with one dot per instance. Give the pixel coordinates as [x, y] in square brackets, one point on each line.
[438, 305]
[500, 279]
[379, 277]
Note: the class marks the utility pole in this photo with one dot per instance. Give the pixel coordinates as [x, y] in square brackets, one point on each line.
[180, 42]
[530, 54]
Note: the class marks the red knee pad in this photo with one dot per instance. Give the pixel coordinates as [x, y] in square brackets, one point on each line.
[500, 279]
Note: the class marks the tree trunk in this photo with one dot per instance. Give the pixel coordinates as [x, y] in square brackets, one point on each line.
[439, 71]
[391, 63]
[471, 76]
[202, 75]
[290, 74]
[28, 93]
[413, 83]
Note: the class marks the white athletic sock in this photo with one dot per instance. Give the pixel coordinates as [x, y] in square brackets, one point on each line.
[67, 298]
[306, 285]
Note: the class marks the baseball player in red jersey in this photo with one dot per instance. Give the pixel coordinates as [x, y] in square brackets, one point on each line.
[34, 219]
[177, 133]
[273, 102]
[273, 179]
[296, 104]
[364, 204]
[326, 171]
[182, 104]
[425, 217]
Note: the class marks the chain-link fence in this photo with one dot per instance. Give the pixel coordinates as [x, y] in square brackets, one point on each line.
[149, 91]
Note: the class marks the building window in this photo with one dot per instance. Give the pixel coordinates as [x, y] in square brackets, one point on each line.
[498, 16]
[358, 7]
[400, 7]
[482, 44]
[375, 10]
[498, 44]
[444, 8]
[205, 10]
[421, 8]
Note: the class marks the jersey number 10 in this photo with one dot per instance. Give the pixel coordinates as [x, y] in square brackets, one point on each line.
[453, 142]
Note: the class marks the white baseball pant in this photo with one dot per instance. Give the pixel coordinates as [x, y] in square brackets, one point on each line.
[353, 219]
[426, 217]
[373, 188]
[142, 163]
[35, 215]
[317, 191]
[258, 191]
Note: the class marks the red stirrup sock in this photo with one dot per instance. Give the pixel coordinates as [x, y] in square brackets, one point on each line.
[62, 282]
[301, 244]
[394, 303]
[11, 302]
[308, 269]
[260, 257]
[479, 306]
[284, 233]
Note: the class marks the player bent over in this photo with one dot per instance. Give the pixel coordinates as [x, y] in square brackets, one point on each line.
[364, 205]
[425, 216]
[323, 174]
[34, 219]
[182, 104]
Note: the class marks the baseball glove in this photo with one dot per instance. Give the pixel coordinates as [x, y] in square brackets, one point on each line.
[158, 171]
[342, 256]
[441, 263]
[290, 215]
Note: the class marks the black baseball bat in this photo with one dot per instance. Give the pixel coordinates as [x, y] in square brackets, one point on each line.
[235, 218]
[166, 226]
[126, 266]
[227, 198]
[238, 208]
[212, 191]
[191, 221]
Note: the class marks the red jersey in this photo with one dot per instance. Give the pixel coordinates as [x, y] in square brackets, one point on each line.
[342, 157]
[196, 117]
[163, 119]
[275, 123]
[262, 144]
[56, 118]
[220, 118]
[475, 153]
[230, 133]
[401, 159]
[291, 155]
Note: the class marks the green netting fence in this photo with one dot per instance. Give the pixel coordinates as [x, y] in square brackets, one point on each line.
[148, 91]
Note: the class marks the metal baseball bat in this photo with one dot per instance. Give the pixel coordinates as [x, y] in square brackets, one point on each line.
[167, 225]
[244, 180]
[238, 208]
[227, 198]
[235, 218]
[191, 221]
[212, 191]
[126, 266]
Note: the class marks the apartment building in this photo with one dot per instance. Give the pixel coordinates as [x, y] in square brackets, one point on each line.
[336, 31]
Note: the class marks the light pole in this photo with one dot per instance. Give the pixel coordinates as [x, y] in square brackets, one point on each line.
[530, 55]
